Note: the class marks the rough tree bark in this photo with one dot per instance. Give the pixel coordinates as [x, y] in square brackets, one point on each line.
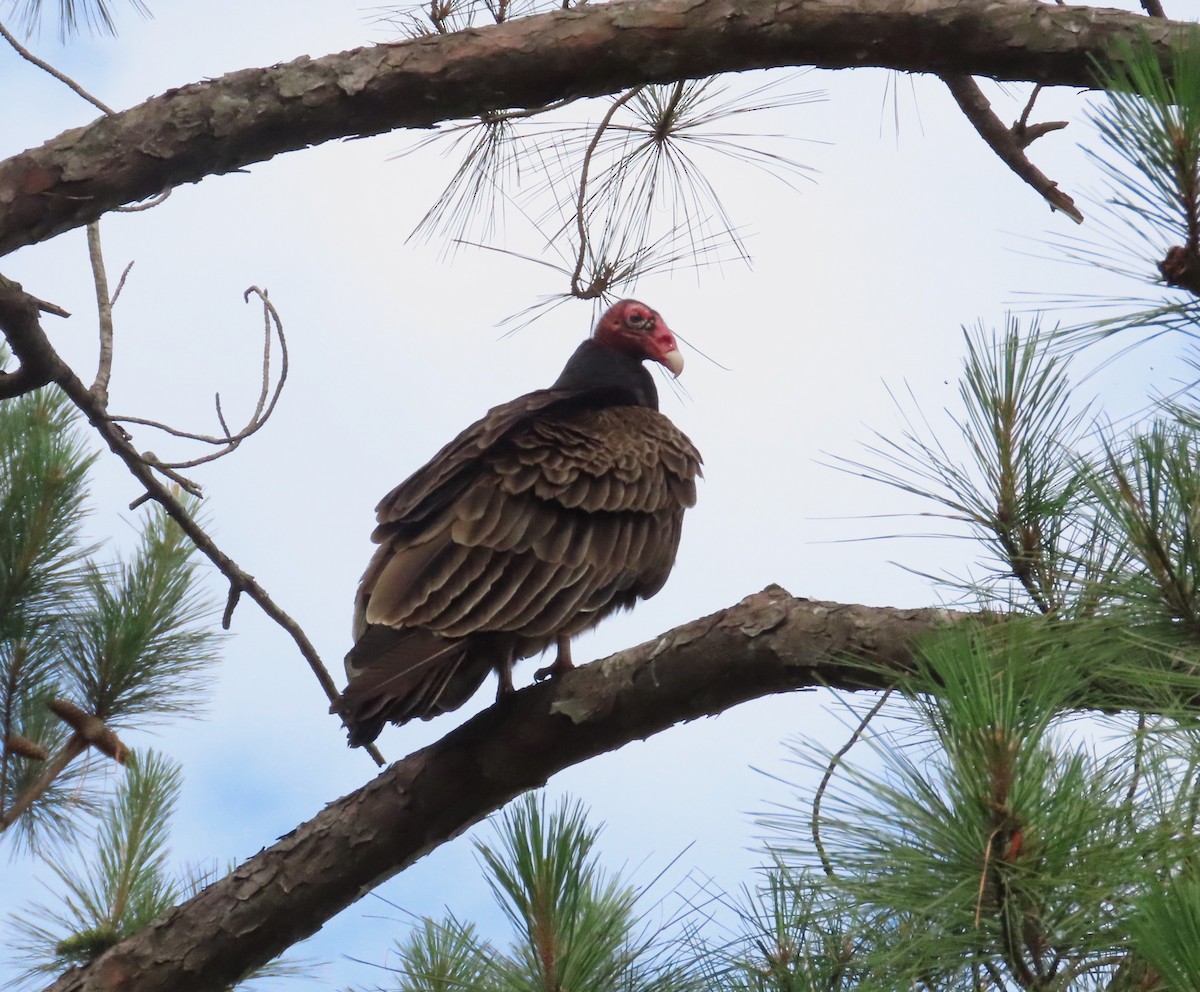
[770, 642]
[217, 126]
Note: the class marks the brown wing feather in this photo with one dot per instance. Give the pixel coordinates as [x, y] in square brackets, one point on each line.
[534, 522]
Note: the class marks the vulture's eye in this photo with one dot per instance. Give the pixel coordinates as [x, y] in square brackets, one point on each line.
[637, 320]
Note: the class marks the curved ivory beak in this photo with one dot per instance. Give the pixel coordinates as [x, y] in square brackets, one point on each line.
[674, 361]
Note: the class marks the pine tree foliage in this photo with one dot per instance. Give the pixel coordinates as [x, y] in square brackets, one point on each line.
[43, 470]
[137, 648]
[72, 17]
[119, 643]
[575, 926]
[789, 933]
[617, 188]
[1148, 121]
[986, 832]
[117, 889]
[1015, 475]
[441, 956]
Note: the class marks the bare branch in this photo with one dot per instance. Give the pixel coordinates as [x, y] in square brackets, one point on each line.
[89, 731]
[221, 125]
[1154, 8]
[28, 56]
[39, 361]
[598, 284]
[121, 282]
[768, 643]
[815, 821]
[265, 406]
[137, 208]
[104, 312]
[1010, 144]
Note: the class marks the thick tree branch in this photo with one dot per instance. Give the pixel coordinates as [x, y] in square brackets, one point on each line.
[225, 124]
[768, 643]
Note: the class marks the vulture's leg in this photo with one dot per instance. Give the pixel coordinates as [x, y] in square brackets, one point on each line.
[504, 683]
[562, 660]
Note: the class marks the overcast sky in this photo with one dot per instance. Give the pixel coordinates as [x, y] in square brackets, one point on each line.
[860, 284]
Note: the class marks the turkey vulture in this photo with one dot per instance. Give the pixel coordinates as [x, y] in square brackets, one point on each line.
[535, 523]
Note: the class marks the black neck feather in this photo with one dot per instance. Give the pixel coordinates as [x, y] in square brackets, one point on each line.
[596, 366]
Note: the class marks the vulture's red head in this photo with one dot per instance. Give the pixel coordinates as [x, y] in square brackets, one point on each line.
[636, 329]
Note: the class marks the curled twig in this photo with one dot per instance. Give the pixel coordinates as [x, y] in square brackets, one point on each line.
[136, 208]
[228, 441]
[1010, 143]
[825, 779]
[18, 322]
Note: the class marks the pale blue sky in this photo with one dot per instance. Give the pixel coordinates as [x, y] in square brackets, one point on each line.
[860, 281]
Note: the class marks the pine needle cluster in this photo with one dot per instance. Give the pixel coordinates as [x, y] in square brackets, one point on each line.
[88, 647]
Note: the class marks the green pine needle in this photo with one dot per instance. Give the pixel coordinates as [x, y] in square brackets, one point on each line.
[139, 649]
[1166, 932]
[73, 16]
[115, 890]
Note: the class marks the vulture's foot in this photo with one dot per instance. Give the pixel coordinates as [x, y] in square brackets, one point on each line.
[562, 662]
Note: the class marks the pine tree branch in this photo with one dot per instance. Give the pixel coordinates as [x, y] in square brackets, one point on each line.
[221, 125]
[1010, 143]
[72, 749]
[771, 642]
[28, 56]
[90, 729]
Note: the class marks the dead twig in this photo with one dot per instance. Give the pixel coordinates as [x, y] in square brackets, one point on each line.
[825, 779]
[28, 56]
[104, 306]
[1010, 143]
[137, 208]
[40, 364]
[592, 291]
[39, 360]
[228, 441]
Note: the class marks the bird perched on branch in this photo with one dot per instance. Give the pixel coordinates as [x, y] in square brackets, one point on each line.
[534, 524]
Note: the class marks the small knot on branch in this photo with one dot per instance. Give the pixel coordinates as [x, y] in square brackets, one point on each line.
[91, 729]
[25, 748]
[1026, 134]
